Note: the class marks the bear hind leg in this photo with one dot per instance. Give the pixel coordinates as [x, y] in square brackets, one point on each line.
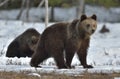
[13, 50]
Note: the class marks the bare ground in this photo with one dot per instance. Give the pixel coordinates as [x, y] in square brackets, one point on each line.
[24, 75]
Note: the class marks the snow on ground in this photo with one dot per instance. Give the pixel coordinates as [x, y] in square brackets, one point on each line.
[103, 54]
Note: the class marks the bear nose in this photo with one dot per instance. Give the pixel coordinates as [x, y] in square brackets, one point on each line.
[93, 31]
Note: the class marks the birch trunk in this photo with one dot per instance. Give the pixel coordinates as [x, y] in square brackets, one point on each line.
[46, 11]
[80, 8]
[21, 10]
[27, 10]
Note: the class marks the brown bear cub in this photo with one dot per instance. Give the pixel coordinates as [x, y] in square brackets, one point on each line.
[24, 45]
[62, 40]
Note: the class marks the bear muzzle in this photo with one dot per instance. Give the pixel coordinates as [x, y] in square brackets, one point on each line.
[93, 31]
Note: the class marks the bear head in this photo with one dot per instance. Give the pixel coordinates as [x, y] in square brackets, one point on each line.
[87, 24]
[32, 43]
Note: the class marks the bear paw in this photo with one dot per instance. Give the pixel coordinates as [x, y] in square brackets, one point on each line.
[37, 66]
[88, 66]
[62, 67]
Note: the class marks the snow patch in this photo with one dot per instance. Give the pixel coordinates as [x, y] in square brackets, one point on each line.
[103, 54]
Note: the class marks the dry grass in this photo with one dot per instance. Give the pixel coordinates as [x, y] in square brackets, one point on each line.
[23, 75]
[14, 75]
[83, 76]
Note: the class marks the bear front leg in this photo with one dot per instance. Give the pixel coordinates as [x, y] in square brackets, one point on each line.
[82, 53]
[38, 57]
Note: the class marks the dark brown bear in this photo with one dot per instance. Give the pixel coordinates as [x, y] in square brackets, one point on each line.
[24, 45]
[62, 40]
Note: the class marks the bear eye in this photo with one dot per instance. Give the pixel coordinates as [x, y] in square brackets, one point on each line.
[88, 25]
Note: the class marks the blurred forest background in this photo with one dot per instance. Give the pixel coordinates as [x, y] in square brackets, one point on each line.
[59, 10]
[14, 4]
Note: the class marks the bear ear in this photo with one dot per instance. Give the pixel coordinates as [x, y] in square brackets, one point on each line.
[83, 17]
[94, 17]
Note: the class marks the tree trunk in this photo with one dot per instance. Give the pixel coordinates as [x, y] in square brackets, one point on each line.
[52, 14]
[27, 10]
[4, 3]
[41, 3]
[80, 8]
[46, 11]
[21, 10]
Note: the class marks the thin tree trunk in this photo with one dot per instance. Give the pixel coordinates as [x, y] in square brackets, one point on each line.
[46, 11]
[80, 8]
[27, 10]
[41, 3]
[4, 2]
[21, 10]
[52, 14]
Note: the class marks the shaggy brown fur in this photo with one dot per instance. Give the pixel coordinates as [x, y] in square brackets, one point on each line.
[69, 37]
[24, 45]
